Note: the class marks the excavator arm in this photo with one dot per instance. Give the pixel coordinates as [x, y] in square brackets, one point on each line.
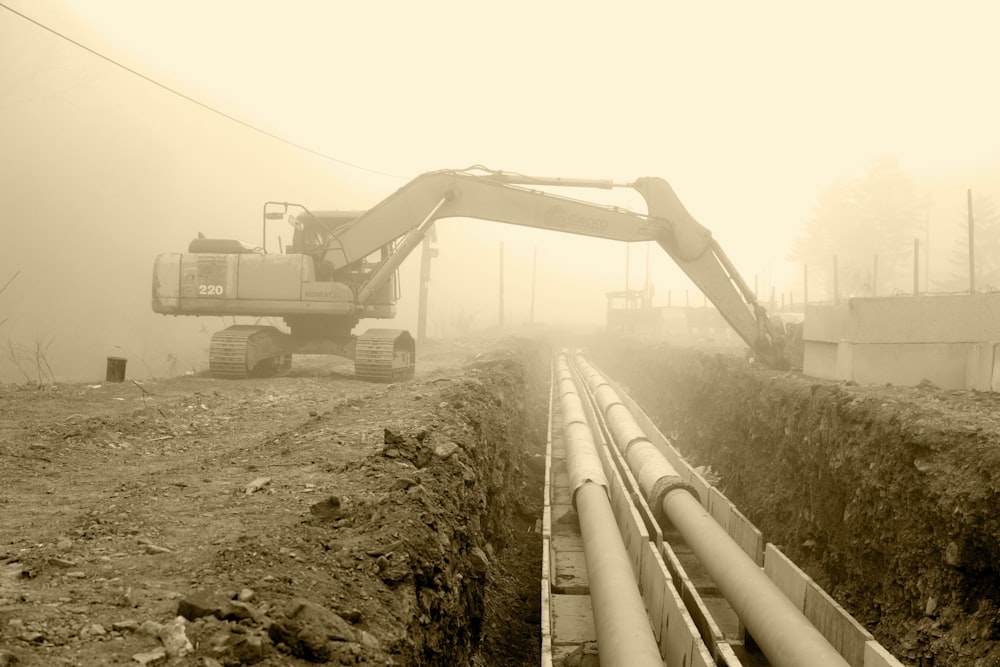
[406, 215]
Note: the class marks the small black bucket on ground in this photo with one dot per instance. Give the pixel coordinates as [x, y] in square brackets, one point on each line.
[116, 369]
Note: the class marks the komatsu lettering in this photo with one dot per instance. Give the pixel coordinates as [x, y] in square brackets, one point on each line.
[558, 217]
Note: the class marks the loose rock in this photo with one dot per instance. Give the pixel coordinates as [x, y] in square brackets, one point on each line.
[150, 628]
[175, 639]
[328, 510]
[445, 449]
[201, 603]
[480, 562]
[256, 485]
[128, 625]
[309, 630]
[92, 630]
[152, 658]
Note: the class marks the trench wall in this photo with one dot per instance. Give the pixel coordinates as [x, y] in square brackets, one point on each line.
[887, 497]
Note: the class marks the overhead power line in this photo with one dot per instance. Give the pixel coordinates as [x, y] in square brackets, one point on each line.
[194, 100]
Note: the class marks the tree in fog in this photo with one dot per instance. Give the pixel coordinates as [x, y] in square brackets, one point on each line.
[858, 219]
[986, 218]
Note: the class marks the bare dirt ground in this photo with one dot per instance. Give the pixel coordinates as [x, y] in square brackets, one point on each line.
[290, 520]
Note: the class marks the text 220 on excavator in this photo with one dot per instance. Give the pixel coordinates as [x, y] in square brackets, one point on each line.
[342, 267]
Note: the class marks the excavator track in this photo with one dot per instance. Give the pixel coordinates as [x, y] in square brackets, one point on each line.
[384, 355]
[242, 351]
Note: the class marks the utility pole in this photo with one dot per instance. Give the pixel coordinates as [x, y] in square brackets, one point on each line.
[875, 277]
[647, 298]
[501, 284]
[805, 286]
[972, 245]
[427, 253]
[628, 257]
[534, 274]
[927, 244]
[916, 267]
[836, 285]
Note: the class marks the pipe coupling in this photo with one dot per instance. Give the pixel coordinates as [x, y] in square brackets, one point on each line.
[661, 488]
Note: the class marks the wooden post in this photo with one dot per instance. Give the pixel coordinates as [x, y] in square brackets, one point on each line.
[836, 285]
[805, 286]
[501, 284]
[972, 245]
[534, 274]
[426, 254]
[647, 298]
[628, 256]
[875, 277]
[916, 267]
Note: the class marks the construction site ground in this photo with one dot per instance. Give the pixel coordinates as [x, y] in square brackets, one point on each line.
[277, 513]
[316, 518]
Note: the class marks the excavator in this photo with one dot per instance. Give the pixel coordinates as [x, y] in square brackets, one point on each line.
[341, 267]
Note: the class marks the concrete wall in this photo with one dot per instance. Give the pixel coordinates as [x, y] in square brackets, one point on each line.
[947, 340]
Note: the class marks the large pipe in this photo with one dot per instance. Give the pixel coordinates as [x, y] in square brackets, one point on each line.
[783, 633]
[624, 636]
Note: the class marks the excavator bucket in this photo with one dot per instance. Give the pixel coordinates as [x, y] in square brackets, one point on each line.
[384, 355]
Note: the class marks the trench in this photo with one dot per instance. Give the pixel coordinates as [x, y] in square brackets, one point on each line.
[887, 497]
[471, 590]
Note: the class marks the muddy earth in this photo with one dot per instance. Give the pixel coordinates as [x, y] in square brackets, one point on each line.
[285, 521]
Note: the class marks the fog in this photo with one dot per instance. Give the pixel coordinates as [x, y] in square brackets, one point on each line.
[749, 112]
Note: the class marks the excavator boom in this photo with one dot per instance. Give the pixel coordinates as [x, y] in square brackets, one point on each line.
[504, 197]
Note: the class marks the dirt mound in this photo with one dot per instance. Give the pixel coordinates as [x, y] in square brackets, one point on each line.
[285, 521]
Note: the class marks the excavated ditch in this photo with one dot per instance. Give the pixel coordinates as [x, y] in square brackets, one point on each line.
[474, 574]
[887, 496]
[471, 581]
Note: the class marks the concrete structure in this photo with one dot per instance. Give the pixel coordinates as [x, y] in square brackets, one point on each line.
[950, 340]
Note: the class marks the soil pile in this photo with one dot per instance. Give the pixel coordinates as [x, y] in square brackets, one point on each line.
[284, 521]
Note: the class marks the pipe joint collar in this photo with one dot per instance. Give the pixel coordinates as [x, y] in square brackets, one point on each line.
[661, 488]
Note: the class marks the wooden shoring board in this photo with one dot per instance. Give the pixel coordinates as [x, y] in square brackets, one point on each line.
[545, 584]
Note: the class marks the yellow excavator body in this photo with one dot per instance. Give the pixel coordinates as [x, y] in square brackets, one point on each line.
[341, 267]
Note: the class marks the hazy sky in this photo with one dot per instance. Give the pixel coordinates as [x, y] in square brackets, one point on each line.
[748, 109]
